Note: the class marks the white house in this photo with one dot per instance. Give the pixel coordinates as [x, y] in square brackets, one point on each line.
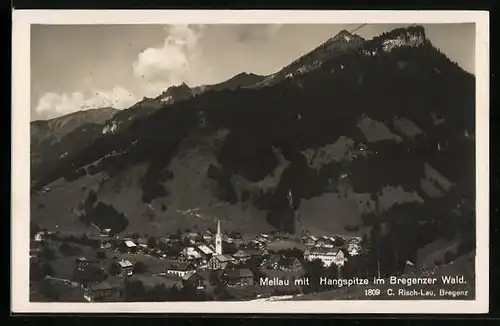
[328, 256]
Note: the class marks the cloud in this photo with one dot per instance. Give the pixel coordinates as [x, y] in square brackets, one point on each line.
[168, 64]
[56, 104]
[256, 33]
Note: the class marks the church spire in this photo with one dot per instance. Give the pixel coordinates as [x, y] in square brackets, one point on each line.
[218, 240]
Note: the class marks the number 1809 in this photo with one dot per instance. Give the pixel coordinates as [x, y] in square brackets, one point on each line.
[372, 292]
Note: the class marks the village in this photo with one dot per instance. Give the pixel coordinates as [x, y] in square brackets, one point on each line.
[185, 266]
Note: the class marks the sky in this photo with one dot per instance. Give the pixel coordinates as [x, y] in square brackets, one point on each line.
[76, 67]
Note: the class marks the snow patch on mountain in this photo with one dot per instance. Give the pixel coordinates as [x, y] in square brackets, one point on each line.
[110, 128]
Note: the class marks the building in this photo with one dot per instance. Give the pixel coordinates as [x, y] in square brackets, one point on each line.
[264, 238]
[99, 291]
[207, 236]
[326, 242]
[239, 277]
[128, 246]
[191, 254]
[354, 249]
[126, 267]
[193, 279]
[309, 240]
[179, 269]
[241, 256]
[328, 256]
[218, 240]
[205, 252]
[220, 261]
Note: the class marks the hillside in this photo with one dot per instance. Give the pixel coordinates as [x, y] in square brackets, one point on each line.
[46, 135]
[379, 134]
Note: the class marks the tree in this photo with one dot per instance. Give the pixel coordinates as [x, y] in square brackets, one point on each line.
[48, 290]
[313, 270]
[152, 242]
[140, 268]
[47, 269]
[134, 290]
[65, 249]
[36, 272]
[113, 269]
[215, 277]
[47, 253]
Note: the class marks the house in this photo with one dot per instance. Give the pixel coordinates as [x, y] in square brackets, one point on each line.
[128, 246]
[179, 269]
[264, 238]
[41, 236]
[105, 232]
[309, 240]
[205, 252]
[193, 236]
[326, 242]
[191, 254]
[193, 279]
[241, 256]
[239, 277]
[99, 291]
[328, 256]
[259, 252]
[220, 261]
[126, 267]
[353, 249]
[273, 262]
[207, 236]
[83, 262]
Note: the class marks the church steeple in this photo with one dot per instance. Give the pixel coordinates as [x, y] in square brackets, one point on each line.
[218, 240]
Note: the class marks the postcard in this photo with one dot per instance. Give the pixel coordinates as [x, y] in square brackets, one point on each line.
[169, 161]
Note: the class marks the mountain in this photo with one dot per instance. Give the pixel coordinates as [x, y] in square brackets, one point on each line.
[240, 80]
[378, 140]
[339, 44]
[46, 134]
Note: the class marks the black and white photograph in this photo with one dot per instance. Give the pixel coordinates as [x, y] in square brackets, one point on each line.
[252, 162]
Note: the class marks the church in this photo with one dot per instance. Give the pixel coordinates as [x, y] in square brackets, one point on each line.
[219, 260]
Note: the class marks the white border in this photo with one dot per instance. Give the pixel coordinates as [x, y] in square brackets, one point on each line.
[21, 155]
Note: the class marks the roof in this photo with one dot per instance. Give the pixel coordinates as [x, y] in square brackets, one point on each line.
[321, 251]
[241, 254]
[189, 274]
[253, 252]
[124, 263]
[191, 252]
[130, 244]
[204, 249]
[224, 258]
[179, 266]
[239, 273]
